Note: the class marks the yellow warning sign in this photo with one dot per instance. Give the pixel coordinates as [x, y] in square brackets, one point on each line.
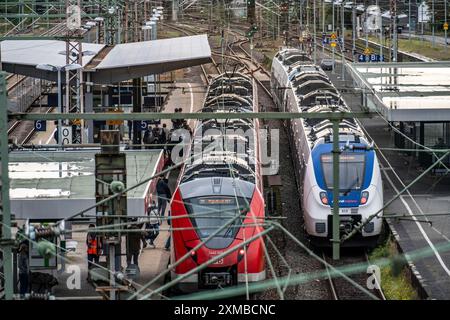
[333, 36]
[446, 26]
[368, 51]
[115, 122]
[333, 44]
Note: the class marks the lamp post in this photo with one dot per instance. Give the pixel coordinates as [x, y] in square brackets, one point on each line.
[409, 19]
[315, 30]
[100, 31]
[446, 25]
[51, 68]
[343, 43]
[433, 20]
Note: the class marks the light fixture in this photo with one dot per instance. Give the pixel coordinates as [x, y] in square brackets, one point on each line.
[323, 197]
[46, 67]
[71, 67]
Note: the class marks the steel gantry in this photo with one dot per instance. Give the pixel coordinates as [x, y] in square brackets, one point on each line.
[5, 209]
[74, 56]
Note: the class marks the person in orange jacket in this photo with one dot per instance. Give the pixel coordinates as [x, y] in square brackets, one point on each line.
[94, 245]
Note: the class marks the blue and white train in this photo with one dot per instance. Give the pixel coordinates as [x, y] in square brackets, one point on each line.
[298, 85]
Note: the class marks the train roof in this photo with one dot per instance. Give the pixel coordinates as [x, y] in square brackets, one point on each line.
[233, 154]
[290, 56]
[314, 92]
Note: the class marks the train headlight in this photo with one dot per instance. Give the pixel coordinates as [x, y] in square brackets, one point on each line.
[364, 197]
[323, 197]
[193, 254]
[241, 254]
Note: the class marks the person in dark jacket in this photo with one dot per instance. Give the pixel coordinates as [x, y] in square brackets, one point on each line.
[167, 245]
[134, 240]
[153, 225]
[24, 268]
[165, 132]
[164, 195]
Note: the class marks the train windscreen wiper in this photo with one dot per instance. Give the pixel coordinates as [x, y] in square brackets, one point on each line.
[356, 182]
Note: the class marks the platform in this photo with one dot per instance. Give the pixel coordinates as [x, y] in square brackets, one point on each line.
[407, 91]
[152, 261]
[429, 195]
[56, 185]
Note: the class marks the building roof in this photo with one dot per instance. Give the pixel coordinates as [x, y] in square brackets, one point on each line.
[131, 60]
[409, 91]
[34, 52]
[107, 64]
[55, 184]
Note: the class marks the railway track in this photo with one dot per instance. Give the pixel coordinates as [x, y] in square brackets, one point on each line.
[24, 131]
[190, 33]
[249, 61]
[21, 132]
[348, 50]
[244, 58]
[342, 289]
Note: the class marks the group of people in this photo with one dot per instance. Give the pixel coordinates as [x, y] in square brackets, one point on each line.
[180, 123]
[141, 235]
[156, 136]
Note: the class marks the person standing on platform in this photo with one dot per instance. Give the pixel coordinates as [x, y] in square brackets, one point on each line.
[24, 268]
[175, 121]
[166, 131]
[94, 245]
[164, 195]
[167, 245]
[134, 239]
[153, 225]
[148, 137]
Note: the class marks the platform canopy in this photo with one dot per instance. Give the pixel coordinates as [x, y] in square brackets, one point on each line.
[107, 64]
[58, 184]
[406, 91]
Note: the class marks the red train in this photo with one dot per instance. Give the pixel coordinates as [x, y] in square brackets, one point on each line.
[218, 203]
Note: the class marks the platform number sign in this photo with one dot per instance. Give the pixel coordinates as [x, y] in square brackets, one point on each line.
[370, 58]
[144, 125]
[40, 125]
[66, 134]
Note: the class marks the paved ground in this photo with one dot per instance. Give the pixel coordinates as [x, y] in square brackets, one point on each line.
[429, 195]
[151, 263]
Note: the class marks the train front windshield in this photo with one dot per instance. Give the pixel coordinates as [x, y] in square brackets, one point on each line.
[351, 171]
[210, 213]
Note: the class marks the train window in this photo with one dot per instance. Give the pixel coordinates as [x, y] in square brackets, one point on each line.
[210, 213]
[351, 171]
